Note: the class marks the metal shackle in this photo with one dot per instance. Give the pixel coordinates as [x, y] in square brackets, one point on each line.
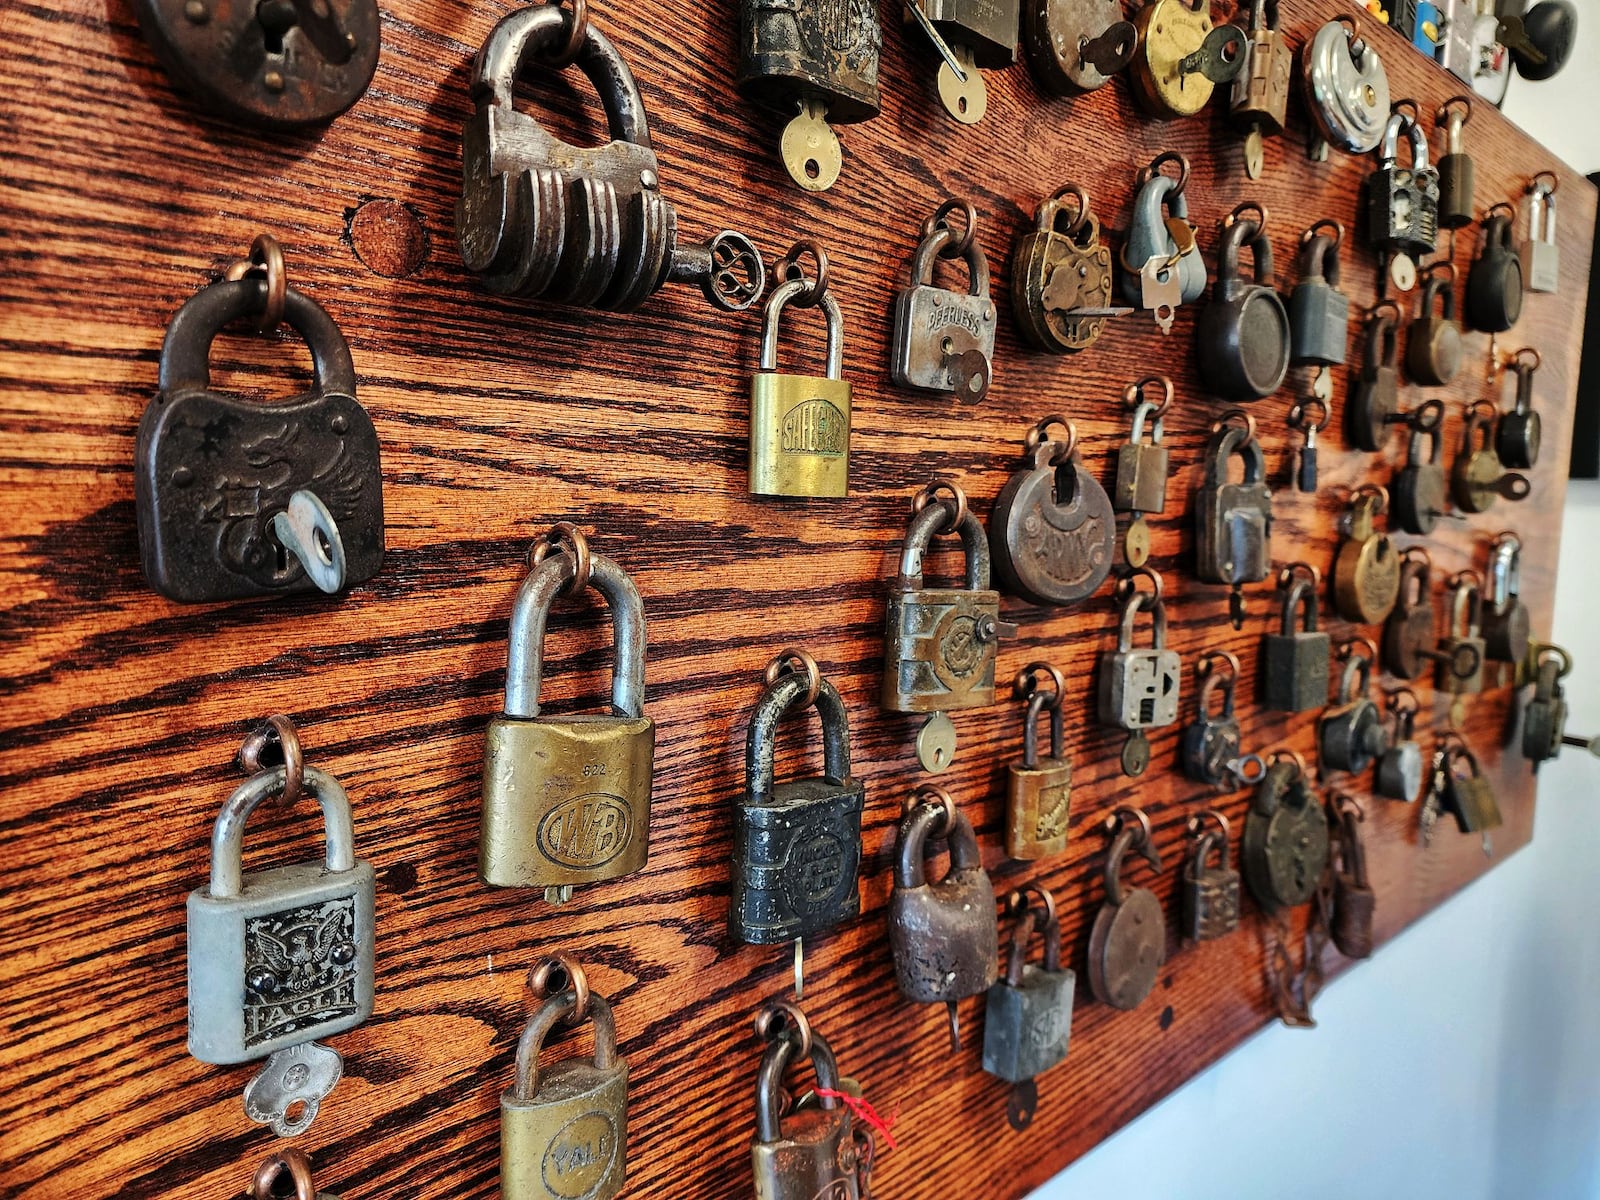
[1120, 845]
[1017, 956]
[1356, 678]
[769, 1080]
[1466, 609]
[1040, 700]
[919, 536]
[781, 297]
[1235, 238]
[760, 742]
[915, 829]
[1319, 259]
[550, 1013]
[1297, 592]
[1225, 443]
[1212, 839]
[931, 248]
[1217, 679]
[1136, 603]
[1142, 412]
[227, 835]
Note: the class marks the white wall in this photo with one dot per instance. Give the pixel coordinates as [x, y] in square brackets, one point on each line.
[1463, 1061]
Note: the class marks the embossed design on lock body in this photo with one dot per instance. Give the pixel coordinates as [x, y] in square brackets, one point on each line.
[1128, 943]
[1039, 797]
[1075, 46]
[1140, 688]
[1366, 570]
[800, 424]
[810, 1152]
[941, 334]
[816, 49]
[1285, 846]
[1056, 267]
[1210, 893]
[1052, 532]
[1028, 1019]
[942, 935]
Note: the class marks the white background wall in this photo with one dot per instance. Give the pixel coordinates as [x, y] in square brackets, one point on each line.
[1463, 1060]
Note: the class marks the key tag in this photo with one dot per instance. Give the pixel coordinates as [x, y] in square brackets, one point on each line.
[1142, 467]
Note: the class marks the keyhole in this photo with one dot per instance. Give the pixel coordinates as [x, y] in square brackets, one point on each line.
[282, 555]
[276, 18]
[813, 168]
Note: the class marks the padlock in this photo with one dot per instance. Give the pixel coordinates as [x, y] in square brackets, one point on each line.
[1375, 397]
[293, 1163]
[1420, 489]
[1469, 797]
[1294, 662]
[1076, 47]
[1285, 845]
[1354, 901]
[1463, 645]
[1456, 169]
[1541, 256]
[1242, 336]
[1233, 521]
[239, 499]
[1401, 766]
[1478, 478]
[1506, 624]
[1139, 688]
[282, 956]
[1346, 88]
[1319, 313]
[566, 799]
[1027, 1023]
[1520, 431]
[1142, 467]
[1128, 943]
[1366, 570]
[276, 64]
[1309, 417]
[1166, 79]
[811, 1152]
[1052, 533]
[564, 1127]
[1409, 633]
[1402, 203]
[1057, 269]
[1039, 798]
[1494, 281]
[1211, 745]
[579, 225]
[1260, 99]
[1160, 218]
[816, 61]
[800, 424]
[1433, 340]
[969, 35]
[796, 845]
[1350, 735]
[1544, 716]
[1210, 892]
[944, 339]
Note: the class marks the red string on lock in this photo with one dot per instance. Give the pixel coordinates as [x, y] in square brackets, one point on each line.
[861, 1108]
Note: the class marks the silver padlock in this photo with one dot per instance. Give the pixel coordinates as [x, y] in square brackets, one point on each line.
[944, 339]
[1541, 257]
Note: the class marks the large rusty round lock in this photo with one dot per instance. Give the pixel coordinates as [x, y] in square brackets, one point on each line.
[1129, 941]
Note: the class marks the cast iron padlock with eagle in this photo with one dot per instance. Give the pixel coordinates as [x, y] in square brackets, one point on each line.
[1128, 943]
[811, 1151]
[1028, 1021]
[1285, 848]
[1210, 891]
[236, 498]
[579, 225]
[1052, 532]
[796, 845]
[944, 339]
[1057, 269]
[1351, 735]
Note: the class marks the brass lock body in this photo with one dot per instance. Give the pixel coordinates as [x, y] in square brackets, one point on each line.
[800, 424]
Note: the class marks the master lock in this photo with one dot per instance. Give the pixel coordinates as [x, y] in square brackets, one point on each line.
[1506, 623]
[1401, 767]
[1128, 943]
[1366, 571]
[1353, 897]
[1346, 88]
[1350, 735]
[1433, 341]
[811, 1151]
[1052, 532]
[1494, 282]
[277, 64]
[1517, 436]
[1210, 890]
[1242, 336]
[566, 800]
[1319, 313]
[238, 499]
[1409, 634]
[1285, 845]
[1402, 203]
[1161, 262]
[1074, 46]
[1294, 662]
[1541, 256]
[1233, 521]
[579, 225]
[1180, 58]
[1211, 745]
[1544, 716]
[796, 845]
[1028, 1021]
[1039, 797]
[1375, 396]
[1456, 169]
[1060, 273]
[1478, 478]
[944, 339]
[800, 424]
[1139, 687]
[1420, 487]
[564, 1127]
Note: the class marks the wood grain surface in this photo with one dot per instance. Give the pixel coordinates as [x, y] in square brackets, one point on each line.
[497, 417]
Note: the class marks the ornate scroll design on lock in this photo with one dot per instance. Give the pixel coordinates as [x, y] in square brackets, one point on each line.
[299, 969]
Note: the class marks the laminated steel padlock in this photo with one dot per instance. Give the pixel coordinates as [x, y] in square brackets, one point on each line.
[1375, 396]
[236, 498]
[1233, 521]
[1420, 489]
[566, 799]
[944, 339]
[1319, 313]
[1140, 687]
[564, 1126]
[1074, 46]
[1456, 169]
[1520, 431]
[1346, 88]
[1478, 478]
[1211, 745]
[968, 35]
[1142, 467]
[812, 1151]
[1433, 339]
[1028, 1021]
[1353, 898]
[1494, 281]
[1242, 336]
[800, 424]
[1506, 623]
[1052, 533]
[1544, 716]
[1285, 846]
[1210, 890]
[1060, 274]
[796, 845]
[1401, 767]
[1039, 796]
[1128, 943]
[1294, 662]
[1409, 635]
[1541, 256]
[1366, 570]
[1351, 735]
[579, 225]
[1161, 262]
[1260, 100]
[1402, 203]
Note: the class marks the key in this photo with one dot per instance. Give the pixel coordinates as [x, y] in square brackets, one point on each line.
[936, 743]
[1120, 311]
[1112, 50]
[1255, 156]
[1513, 36]
[1221, 56]
[810, 148]
[297, 1076]
[1160, 291]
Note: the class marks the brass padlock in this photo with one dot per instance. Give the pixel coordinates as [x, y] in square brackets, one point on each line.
[811, 1151]
[1142, 467]
[1040, 795]
[1179, 59]
[1260, 100]
[1366, 571]
[566, 800]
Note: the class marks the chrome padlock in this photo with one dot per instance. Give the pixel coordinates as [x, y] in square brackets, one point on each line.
[944, 339]
[1139, 688]
[566, 800]
[1039, 797]
[1541, 256]
[1210, 892]
[1028, 1020]
[812, 1152]
[1346, 88]
[1506, 622]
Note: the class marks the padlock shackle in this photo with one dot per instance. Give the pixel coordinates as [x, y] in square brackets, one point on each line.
[1211, 839]
[1383, 340]
[1213, 680]
[1542, 215]
[1017, 956]
[1038, 701]
[227, 835]
[930, 250]
[1237, 236]
[1298, 592]
[1227, 441]
[910, 871]
[1355, 680]
[1497, 230]
[1319, 259]
[784, 295]
[1389, 148]
[785, 693]
[1433, 288]
[769, 1080]
[1505, 572]
[185, 364]
[1136, 603]
[551, 1012]
[1466, 609]
[933, 519]
[1143, 411]
[1148, 236]
[1120, 846]
[531, 612]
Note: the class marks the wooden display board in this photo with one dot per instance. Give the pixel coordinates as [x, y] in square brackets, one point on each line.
[496, 418]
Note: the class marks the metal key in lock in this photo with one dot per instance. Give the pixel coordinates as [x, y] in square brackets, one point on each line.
[1139, 688]
[1242, 337]
[970, 36]
[1027, 1020]
[1506, 622]
[1402, 203]
[1374, 399]
[1402, 767]
[1456, 168]
[1285, 845]
[1039, 795]
[289, 1165]
[1181, 57]
[1366, 569]
[1319, 313]
[1142, 467]
[1354, 901]
[1211, 745]
[1233, 521]
[1161, 262]
[1540, 255]
[1210, 892]
[1519, 432]
[1420, 491]
[1061, 276]
[1478, 478]
[1128, 942]
[1494, 281]
[1308, 426]
[1346, 88]
[1351, 735]
[1544, 715]
[1260, 100]
[1075, 46]
[944, 339]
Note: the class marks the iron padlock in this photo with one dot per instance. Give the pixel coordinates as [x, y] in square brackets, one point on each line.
[944, 339]
[1294, 662]
[1366, 570]
[1494, 281]
[800, 424]
[579, 225]
[1541, 256]
[1469, 797]
[1520, 431]
[1061, 271]
[1401, 767]
[1074, 46]
[1409, 633]
[1544, 717]
[1028, 1021]
[566, 799]
[277, 64]
[811, 1152]
[1233, 526]
[564, 1127]
[1052, 533]
[1285, 846]
[1433, 340]
[1506, 624]
[1039, 798]
[1128, 943]
[1260, 99]
[1478, 478]
[817, 61]
[1210, 891]
[1177, 64]
[1139, 688]
[1402, 203]
[1346, 88]
[969, 35]
[1354, 901]
[1212, 744]
[238, 499]
[1463, 646]
[1142, 467]
[1242, 336]
[1319, 313]
[1375, 398]
[796, 845]
[1351, 735]
[1160, 218]
[1420, 489]
[1456, 169]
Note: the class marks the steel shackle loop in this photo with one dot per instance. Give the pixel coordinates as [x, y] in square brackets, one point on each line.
[227, 835]
[556, 1010]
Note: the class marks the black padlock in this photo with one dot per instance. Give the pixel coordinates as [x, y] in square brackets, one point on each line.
[1242, 336]
[1433, 341]
[1419, 490]
[1375, 397]
[1319, 313]
[1211, 745]
[1517, 436]
[1294, 662]
[1494, 282]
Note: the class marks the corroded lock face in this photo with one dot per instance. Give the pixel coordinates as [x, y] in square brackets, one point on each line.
[823, 50]
[566, 800]
[810, 1153]
[1210, 891]
[942, 935]
[1128, 943]
[1039, 798]
[1052, 532]
[1294, 662]
[1076, 45]
[1366, 571]
[797, 844]
[940, 643]
[1233, 521]
[800, 424]
[1351, 735]
[1354, 902]
[1139, 688]
[1056, 268]
[213, 473]
[564, 1128]
[1028, 1019]
[944, 339]
[1403, 202]
[1261, 91]
[1169, 31]
[281, 956]
[1285, 845]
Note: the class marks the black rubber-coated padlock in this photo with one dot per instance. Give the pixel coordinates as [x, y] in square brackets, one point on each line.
[1242, 336]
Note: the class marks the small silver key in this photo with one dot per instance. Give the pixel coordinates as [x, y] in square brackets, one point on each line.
[300, 1075]
[1160, 291]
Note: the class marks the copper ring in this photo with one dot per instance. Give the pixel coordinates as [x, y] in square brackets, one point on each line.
[1283, 752]
[1555, 182]
[962, 243]
[1027, 682]
[1463, 102]
[1347, 649]
[1115, 821]
[1168, 156]
[576, 545]
[1209, 658]
[1196, 821]
[1406, 105]
[279, 731]
[1037, 435]
[789, 269]
[1297, 415]
[1499, 205]
[266, 259]
[1247, 419]
[927, 793]
[1286, 574]
[1247, 206]
[1017, 901]
[955, 507]
[1464, 578]
[1405, 693]
[1448, 267]
[1486, 408]
[778, 1018]
[1382, 306]
[294, 1161]
[1372, 489]
[1416, 552]
[1419, 418]
[1133, 394]
[577, 34]
[796, 661]
[562, 973]
[1538, 359]
[1344, 802]
[1082, 196]
[1125, 586]
[1326, 223]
